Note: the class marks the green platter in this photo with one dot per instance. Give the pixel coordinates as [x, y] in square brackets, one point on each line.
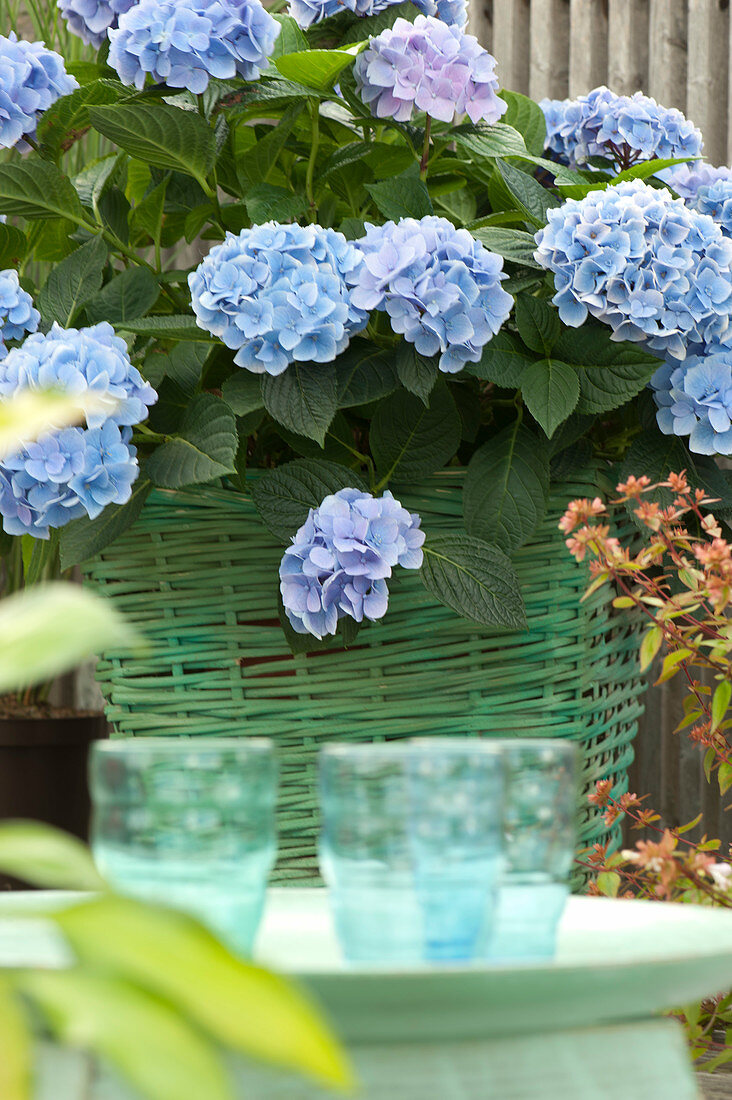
[582, 1027]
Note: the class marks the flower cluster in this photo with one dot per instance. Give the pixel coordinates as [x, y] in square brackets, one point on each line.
[621, 128]
[677, 577]
[691, 617]
[278, 294]
[307, 12]
[341, 557]
[563, 119]
[31, 79]
[440, 287]
[715, 199]
[694, 399]
[75, 471]
[429, 66]
[17, 313]
[184, 45]
[91, 19]
[452, 12]
[686, 179]
[643, 263]
[78, 361]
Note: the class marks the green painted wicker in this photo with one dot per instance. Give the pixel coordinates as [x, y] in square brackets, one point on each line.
[198, 573]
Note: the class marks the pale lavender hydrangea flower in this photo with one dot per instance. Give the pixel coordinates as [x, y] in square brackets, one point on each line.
[440, 286]
[91, 19]
[428, 66]
[341, 558]
[32, 78]
[686, 179]
[643, 263]
[184, 45]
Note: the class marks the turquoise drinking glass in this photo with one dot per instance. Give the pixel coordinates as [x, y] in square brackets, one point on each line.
[410, 847]
[539, 826]
[188, 823]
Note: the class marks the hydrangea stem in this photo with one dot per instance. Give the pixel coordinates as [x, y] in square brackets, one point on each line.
[314, 141]
[425, 148]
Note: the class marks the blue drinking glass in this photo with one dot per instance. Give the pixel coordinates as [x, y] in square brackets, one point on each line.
[539, 824]
[410, 847]
[188, 823]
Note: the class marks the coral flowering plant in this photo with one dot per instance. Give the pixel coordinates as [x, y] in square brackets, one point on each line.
[398, 266]
[678, 580]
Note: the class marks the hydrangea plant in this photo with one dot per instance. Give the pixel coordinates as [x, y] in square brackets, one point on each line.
[396, 267]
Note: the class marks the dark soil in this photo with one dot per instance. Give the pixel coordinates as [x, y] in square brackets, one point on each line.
[12, 707]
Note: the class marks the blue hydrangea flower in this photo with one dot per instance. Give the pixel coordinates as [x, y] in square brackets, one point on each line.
[17, 313]
[91, 19]
[452, 12]
[341, 558]
[184, 45]
[620, 128]
[279, 294]
[440, 287]
[74, 471]
[694, 399]
[78, 361]
[715, 199]
[307, 12]
[686, 179]
[428, 66]
[563, 119]
[644, 264]
[31, 79]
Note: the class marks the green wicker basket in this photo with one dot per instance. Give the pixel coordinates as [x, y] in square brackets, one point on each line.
[198, 573]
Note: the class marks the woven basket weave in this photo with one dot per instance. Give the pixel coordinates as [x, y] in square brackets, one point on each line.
[198, 573]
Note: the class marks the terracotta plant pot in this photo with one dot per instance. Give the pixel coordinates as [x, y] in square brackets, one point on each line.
[43, 771]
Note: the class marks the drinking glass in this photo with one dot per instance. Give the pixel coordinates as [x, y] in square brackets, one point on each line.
[539, 825]
[188, 823]
[410, 847]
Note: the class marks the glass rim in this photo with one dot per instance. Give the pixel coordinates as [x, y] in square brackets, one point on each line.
[176, 744]
[410, 746]
[483, 746]
[561, 743]
[499, 742]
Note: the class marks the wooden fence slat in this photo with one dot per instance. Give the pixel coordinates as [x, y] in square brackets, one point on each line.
[588, 45]
[627, 37]
[728, 158]
[667, 52]
[706, 86]
[549, 44]
[480, 22]
[511, 43]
